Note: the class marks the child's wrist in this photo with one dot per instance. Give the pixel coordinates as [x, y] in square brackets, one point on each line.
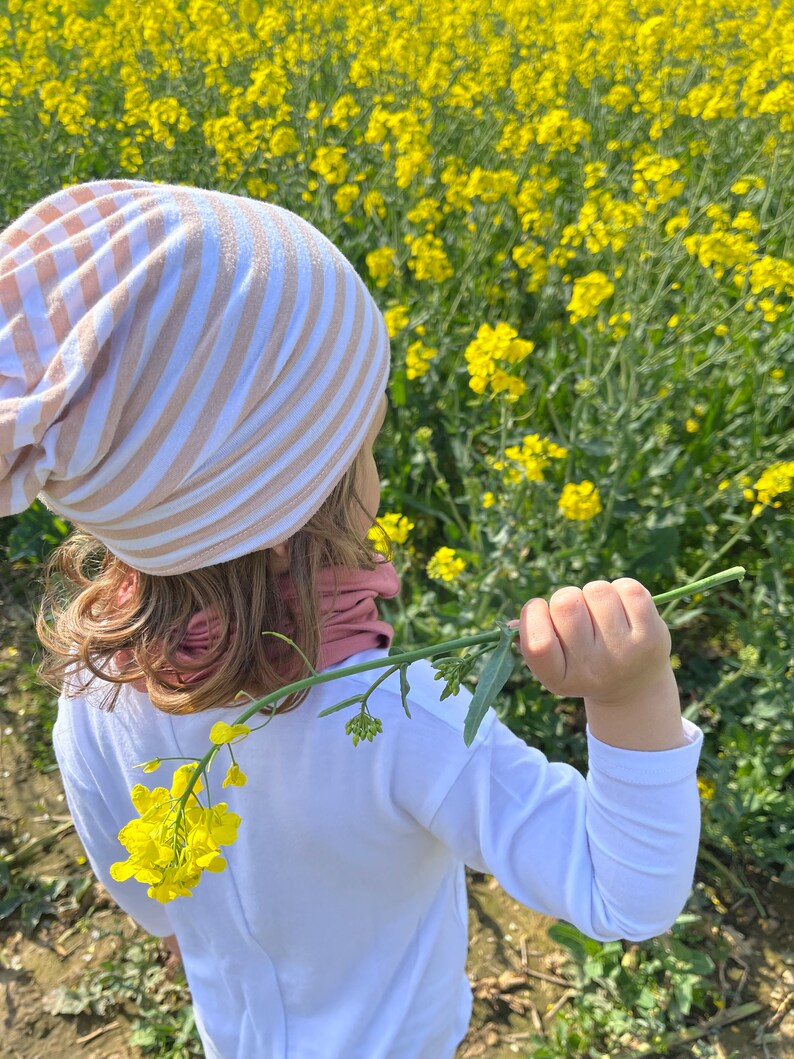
[649, 719]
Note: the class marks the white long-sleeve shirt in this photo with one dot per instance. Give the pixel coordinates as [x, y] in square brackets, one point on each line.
[339, 928]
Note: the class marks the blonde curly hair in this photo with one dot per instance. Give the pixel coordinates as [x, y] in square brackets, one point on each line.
[85, 620]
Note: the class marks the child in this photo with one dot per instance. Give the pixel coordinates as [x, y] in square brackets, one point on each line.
[196, 380]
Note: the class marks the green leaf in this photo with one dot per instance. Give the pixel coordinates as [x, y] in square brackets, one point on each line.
[405, 687]
[493, 678]
[397, 389]
[646, 1001]
[352, 701]
[570, 938]
[695, 961]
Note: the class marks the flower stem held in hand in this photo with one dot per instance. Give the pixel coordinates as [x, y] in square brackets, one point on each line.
[186, 836]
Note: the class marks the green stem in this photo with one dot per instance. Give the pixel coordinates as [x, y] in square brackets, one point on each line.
[732, 877]
[713, 559]
[735, 573]
[394, 661]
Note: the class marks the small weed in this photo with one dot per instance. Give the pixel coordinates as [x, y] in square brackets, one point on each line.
[29, 898]
[627, 993]
[135, 979]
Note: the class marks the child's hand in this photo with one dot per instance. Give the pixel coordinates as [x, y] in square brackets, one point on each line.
[605, 642]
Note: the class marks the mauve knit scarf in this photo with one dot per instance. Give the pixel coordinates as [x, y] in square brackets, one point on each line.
[347, 604]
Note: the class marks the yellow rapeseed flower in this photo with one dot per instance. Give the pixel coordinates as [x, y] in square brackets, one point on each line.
[743, 185]
[417, 359]
[396, 319]
[374, 204]
[175, 838]
[529, 460]
[221, 733]
[588, 293]
[580, 501]
[777, 479]
[445, 565]
[484, 354]
[395, 526]
[235, 777]
[381, 264]
[429, 259]
[345, 196]
[330, 163]
[706, 788]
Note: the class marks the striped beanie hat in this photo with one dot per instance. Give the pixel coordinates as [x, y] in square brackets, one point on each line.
[184, 374]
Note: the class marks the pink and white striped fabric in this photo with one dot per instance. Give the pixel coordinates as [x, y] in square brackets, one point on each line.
[185, 374]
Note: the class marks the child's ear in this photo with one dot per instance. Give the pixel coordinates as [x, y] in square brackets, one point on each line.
[279, 558]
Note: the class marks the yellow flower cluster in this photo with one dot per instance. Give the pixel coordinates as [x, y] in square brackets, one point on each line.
[417, 359]
[407, 129]
[62, 100]
[445, 565]
[580, 501]
[653, 182]
[722, 249]
[744, 184]
[603, 222]
[343, 110]
[330, 164]
[484, 354]
[345, 196]
[426, 212]
[771, 273]
[175, 839]
[777, 479]
[726, 247]
[528, 461]
[428, 258]
[706, 788]
[395, 526]
[381, 265]
[396, 319]
[588, 293]
[490, 186]
[531, 257]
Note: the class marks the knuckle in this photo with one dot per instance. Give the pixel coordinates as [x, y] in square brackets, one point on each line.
[567, 598]
[538, 646]
[597, 590]
[628, 586]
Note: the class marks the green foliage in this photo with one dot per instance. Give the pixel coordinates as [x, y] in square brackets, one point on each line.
[627, 993]
[27, 898]
[33, 534]
[36, 705]
[743, 704]
[164, 1027]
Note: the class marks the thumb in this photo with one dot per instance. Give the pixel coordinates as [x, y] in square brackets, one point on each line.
[540, 645]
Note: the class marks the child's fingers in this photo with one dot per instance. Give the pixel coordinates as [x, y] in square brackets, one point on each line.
[646, 621]
[637, 602]
[539, 643]
[611, 622]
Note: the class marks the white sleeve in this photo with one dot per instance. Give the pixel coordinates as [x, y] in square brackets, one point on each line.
[613, 854]
[98, 829]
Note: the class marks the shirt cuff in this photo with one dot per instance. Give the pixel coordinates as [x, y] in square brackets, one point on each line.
[647, 767]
